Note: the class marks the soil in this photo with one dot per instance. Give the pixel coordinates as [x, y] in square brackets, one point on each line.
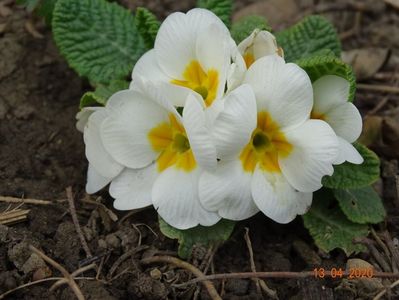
[42, 153]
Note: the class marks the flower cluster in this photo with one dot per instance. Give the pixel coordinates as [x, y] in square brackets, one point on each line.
[210, 130]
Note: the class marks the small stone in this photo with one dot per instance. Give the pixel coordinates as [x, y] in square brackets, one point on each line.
[155, 274]
[33, 263]
[112, 241]
[24, 112]
[102, 244]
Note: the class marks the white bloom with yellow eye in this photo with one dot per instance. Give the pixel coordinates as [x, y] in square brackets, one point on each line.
[331, 104]
[164, 152]
[272, 156]
[192, 53]
[102, 167]
[258, 44]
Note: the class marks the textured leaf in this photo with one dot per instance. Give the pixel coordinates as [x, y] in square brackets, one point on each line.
[244, 27]
[200, 235]
[98, 39]
[148, 25]
[351, 176]
[102, 93]
[325, 63]
[307, 38]
[330, 228]
[361, 205]
[221, 8]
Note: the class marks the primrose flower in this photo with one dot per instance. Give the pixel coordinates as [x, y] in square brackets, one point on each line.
[192, 53]
[258, 44]
[331, 105]
[102, 167]
[164, 152]
[272, 156]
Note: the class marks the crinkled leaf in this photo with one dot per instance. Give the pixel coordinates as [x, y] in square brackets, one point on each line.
[244, 27]
[98, 39]
[221, 8]
[148, 25]
[200, 235]
[325, 63]
[330, 228]
[361, 205]
[102, 93]
[351, 176]
[308, 37]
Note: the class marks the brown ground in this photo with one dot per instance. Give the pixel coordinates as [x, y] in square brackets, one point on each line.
[41, 153]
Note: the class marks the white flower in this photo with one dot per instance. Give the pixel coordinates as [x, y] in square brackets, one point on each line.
[102, 167]
[258, 44]
[272, 155]
[165, 153]
[331, 105]
[192, 52]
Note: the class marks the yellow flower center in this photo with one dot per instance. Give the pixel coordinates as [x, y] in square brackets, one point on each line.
[249, 59]
[204, 83]
[316, 115]
[170, 140]
[266, 145]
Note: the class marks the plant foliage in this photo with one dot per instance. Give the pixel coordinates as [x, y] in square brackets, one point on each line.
[148, 25]
[222, 8]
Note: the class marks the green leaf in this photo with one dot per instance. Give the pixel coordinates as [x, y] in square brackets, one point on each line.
[98, 39]
[29, 4]
[329, 227]
[244, 27]
[325, 63]
[307, 38]
[46, 9]
[361, 205]
[200, 235]
[102, 93]
[148, 25]
[222, 8]
[351, 176]
[43, 8]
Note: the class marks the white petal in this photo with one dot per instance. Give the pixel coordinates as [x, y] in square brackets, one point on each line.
[329, 91]
[346, 121]
[166, 95]
[82, 117]
[234, 125]
[96, 153]
[276, 198]
[132, 188]
[148, 67]
[315, 146]
[228, 191]
[175, 44]
[175, 197]
[95, 181]
[213, 52]
[264, 44]
[125, 131]
[283, 90]
[194, 121]
[237, 69]
[347, 153]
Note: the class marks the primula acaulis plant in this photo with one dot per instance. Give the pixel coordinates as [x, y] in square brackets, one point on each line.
[211, 122]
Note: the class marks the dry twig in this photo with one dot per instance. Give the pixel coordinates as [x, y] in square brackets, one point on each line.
[13, 216]
[27, 201]
[75, 220]
[185, 265]
[259, 283]
[382, 293]
[75, 288]
[378, 88]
